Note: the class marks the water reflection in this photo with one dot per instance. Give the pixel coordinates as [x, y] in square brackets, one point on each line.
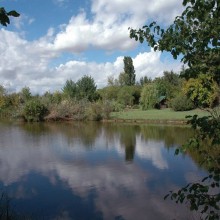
[81, 170]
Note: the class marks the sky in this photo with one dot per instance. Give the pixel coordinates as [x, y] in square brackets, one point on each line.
[56, 40]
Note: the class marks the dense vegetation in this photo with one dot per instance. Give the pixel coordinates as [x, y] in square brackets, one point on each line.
[82, 100]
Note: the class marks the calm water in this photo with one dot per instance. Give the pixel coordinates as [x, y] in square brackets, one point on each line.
[93, 170]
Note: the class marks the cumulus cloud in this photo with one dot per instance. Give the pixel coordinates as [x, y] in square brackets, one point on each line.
[31, 63]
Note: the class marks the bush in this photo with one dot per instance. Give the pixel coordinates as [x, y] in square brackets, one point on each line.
[182, 103]
[149, 96]
[34, 111]
[94, 112]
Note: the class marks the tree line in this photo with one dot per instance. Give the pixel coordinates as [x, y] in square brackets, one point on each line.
[81, 100]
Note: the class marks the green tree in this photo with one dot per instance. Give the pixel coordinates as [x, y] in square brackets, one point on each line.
[169, 84]
[125, 96]
[123, 79]
[129, 71]
[109, 93]
[203, 90]
[149, 96]
[195, 35]
[70, 89]
[25, 94]
[5, 16]
[144, 80]
[86, 88]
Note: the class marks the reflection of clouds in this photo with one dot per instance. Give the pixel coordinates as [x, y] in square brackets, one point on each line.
[121, 188]
[151, 150]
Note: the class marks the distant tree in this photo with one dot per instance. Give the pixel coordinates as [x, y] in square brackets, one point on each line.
[123, 79]
[125, 96]
[169, 84]
[2, 90]
[145, 80]
[4, 16]
[109, 93]
[112, 81]
[25, 94]
[69, 89]
[149, 96]
[129, 71]
[86, 88]
[2, 96]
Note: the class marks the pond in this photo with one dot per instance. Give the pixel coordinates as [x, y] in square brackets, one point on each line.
[93, 170]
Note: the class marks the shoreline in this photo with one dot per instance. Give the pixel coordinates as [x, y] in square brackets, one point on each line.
[147, 121]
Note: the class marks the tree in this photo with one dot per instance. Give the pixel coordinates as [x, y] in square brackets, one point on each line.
[145, 80]
[169, 84]
[86, 88]
[149, 96]
[129, 71]
[4, 16]
[25, 94]
[203, 90]
[69, 89]
[125, 96]
[195, 35]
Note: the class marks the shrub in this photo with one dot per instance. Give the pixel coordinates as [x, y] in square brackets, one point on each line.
[94, 112]
[149, 96]
[34, 111]
[182, 103]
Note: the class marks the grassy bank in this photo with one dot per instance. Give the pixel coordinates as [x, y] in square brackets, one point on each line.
[154, 114]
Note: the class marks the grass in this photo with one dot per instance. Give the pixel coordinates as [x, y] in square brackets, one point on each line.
[154, 114]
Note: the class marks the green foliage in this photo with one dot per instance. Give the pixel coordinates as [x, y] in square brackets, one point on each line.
[34, 111]
[145, 80]
[122, 95]
[69, 89]
[94, 112]
[4, 16]
[123, 79]
[125, 96]
[129, 71]
[203, 91]
[149, 96]
[194, 35]
[25, 94]
[182, 103]
[86, 88]
[109, 93]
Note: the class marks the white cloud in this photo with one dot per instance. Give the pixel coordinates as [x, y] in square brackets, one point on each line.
[108, 28]
[28, 63]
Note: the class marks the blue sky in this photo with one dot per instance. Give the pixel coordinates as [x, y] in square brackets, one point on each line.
[56, 40]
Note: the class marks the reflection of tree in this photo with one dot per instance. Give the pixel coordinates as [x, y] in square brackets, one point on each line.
[128, 141]
[84, 132]
[126, 133]
[170, 135]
